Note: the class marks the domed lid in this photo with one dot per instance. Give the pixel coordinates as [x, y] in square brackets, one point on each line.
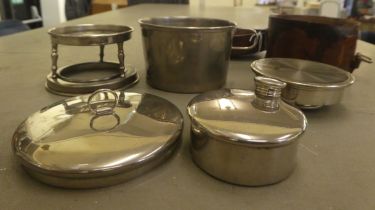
[248, 118]
[103, 134]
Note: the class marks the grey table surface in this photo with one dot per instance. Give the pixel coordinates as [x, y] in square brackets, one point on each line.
[336, 160]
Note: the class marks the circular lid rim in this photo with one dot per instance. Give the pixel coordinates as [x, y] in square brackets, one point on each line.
[349, 81]
[101, 172]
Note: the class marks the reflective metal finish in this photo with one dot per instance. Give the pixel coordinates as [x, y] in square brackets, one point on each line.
[90, 35]
[185, 54]
[98, 140]
[84, 78]
[243, 137]
[310, 84]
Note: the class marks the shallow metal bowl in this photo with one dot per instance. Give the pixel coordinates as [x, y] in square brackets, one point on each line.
[310, 85]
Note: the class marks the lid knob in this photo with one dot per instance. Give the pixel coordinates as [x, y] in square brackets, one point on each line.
[268, 92]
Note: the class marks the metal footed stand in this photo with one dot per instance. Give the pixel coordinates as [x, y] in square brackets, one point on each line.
[88, 77]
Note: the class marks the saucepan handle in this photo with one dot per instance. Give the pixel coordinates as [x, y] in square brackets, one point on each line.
[256, 39]
[363, 58]
[358, 58]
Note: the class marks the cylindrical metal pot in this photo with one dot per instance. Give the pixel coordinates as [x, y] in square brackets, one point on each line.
[185, 54]
[243, 137]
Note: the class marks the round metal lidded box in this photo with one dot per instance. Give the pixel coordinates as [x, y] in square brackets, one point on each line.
[244, 137]
[98, 140]
[310, 85]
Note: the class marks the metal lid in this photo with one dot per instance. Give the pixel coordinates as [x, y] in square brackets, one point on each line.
[97, 136]
[303, 72]
[248, 118]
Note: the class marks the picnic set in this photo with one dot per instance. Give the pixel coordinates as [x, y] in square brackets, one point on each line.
[104, 135]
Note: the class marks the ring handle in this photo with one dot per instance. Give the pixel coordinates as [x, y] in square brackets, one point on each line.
[102, 107]
[92, 122]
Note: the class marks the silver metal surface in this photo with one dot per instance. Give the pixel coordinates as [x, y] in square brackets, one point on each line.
[310, 84]
[185, 54]
[243, 137]
[89, 35]
[98, 140]
[85, 78]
